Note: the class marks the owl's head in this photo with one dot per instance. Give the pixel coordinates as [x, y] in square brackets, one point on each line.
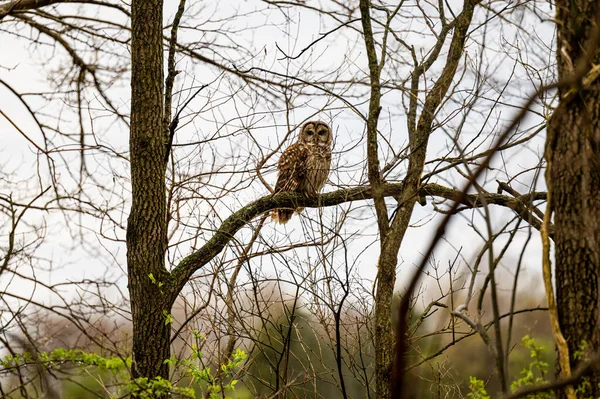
[315, 133]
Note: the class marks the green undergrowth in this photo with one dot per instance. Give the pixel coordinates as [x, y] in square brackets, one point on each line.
[535, 373]
[196, 382]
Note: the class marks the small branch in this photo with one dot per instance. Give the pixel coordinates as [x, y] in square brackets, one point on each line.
[467, 335]
[502, 186]
[242, 258]
[41, 150]
[374, 110]
[170, 81]
[77, 61]
[175, 122]
[561, 344]
[402, 344]
[476, 326]
[26, 5]
[323, 36]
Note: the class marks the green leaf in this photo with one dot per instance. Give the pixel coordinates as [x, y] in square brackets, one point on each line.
[168, 317]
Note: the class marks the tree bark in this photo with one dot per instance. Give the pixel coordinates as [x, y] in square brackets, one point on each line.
[146, 227]
[572, 154]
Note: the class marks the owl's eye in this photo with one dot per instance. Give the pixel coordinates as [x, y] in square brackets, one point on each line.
[310, 132]
[321, 132]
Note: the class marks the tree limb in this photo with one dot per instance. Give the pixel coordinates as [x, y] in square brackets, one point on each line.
[14, 6]
[181, 273]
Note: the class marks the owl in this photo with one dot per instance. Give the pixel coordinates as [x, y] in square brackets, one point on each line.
[304, 166]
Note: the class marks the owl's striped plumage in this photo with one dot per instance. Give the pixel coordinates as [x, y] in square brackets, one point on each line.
[304, 166]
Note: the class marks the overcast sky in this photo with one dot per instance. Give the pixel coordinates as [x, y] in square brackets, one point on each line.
[27, 69]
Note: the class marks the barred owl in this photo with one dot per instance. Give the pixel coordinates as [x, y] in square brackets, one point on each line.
[304, 166]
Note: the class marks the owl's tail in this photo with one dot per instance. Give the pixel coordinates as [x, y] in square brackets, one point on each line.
[282, 216]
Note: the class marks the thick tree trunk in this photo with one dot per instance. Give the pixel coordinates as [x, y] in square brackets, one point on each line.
[146, 229]
[574, 181]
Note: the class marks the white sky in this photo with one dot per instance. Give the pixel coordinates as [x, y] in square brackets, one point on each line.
[27, 69]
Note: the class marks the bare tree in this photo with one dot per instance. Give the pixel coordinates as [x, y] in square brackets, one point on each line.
[422, 103]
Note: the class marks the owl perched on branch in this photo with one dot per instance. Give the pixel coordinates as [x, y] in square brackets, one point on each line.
[304, 166]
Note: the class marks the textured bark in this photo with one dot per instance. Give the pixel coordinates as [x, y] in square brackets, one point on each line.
[574, 181]
[146, 228]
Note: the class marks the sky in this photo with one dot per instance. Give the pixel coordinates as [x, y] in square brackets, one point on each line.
[91, 246]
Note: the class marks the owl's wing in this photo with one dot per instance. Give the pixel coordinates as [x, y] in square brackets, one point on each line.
[292, 168]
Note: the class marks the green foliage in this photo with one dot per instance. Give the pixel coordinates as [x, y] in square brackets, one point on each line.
[112, 368]
[203, 376]
[168, 317]
[584, 389]
[223, 381]
[156, 282]
[60, 355]
[141, 387]
[477, 388]
[536, 370]
[198, 335]
[158, 387]
[580, 353]
[534, 374]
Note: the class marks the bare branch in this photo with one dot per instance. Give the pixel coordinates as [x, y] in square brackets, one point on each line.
[181, 273]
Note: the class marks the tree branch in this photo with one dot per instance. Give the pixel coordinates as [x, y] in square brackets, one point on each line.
[170, 126]
[374, 110]
[25, 5]
[182, 272]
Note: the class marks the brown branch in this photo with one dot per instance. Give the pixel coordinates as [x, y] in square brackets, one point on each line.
[502, 186]
[24, 5]
[170, 126]
[418, 142]
[16, 6]
[374, 110]
[77, 60]
[404, 304]
[16, 219]
[520, 204]
[182, 272]
[314, 42]
[561, 343]
[441, 350]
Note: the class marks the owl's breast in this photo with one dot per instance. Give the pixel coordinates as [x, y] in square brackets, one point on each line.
[318, 165]
[322, 152]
